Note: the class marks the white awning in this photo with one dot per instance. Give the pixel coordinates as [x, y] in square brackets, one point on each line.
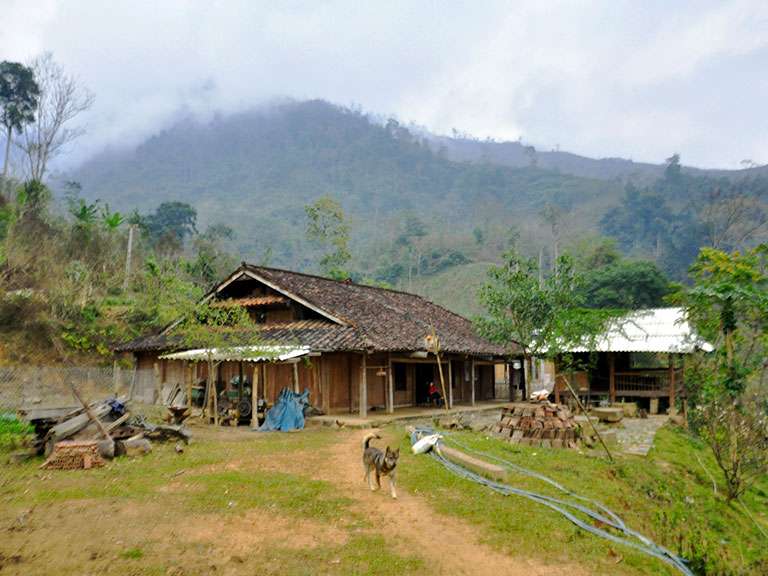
[240, 354]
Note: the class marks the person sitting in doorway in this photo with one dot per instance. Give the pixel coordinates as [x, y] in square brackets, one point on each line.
[434, 395]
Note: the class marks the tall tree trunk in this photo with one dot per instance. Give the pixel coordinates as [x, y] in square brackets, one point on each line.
[8, 134]
[128, 259]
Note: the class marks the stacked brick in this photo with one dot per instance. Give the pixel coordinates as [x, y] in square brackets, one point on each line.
[72, 455]
[545, 425]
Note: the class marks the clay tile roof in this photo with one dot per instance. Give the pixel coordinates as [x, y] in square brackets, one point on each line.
[387, 320]
[251, 301]
[359, 317]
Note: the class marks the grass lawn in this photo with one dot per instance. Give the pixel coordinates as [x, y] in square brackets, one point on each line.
[667, 496]
[241, 503]
[227, 503]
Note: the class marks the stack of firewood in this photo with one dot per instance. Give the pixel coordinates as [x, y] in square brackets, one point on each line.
[546, 425]
[73, 455]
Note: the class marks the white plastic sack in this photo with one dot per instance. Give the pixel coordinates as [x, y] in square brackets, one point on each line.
[425, 444]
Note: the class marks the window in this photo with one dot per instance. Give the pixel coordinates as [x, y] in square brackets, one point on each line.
[401, 378]
[647, 361]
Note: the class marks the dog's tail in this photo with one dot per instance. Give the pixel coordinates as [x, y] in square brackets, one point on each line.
[368, 437]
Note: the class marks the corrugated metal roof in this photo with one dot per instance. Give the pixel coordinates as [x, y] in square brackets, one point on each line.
[240, 353]
[652, 330]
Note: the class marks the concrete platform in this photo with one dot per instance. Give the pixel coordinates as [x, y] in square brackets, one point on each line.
[377, 419]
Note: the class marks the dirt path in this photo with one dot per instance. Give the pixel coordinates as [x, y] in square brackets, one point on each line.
[453, 545]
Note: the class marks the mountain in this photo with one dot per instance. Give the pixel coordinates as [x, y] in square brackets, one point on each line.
[518, 155]
[256, 170]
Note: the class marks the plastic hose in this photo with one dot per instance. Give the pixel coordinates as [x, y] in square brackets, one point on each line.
[633, 538]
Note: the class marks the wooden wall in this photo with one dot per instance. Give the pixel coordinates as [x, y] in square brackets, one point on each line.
[333, 379]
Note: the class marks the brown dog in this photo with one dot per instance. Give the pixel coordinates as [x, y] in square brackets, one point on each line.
[382, 463]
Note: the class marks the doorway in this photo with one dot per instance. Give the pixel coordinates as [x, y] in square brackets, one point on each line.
[424, 374]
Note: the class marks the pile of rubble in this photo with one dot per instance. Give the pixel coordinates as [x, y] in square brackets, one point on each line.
[547, 425]
[98, 431]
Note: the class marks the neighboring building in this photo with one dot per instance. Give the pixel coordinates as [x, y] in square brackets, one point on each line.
[639, 358]
[357, 348]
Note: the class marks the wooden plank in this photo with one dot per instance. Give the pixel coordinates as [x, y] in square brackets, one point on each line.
[363, 395]
[492, 471]
[295, 377]
[450, 384]
[472, 383]
[612, 377]
[390, 386]
[672, 409]
[255, 396]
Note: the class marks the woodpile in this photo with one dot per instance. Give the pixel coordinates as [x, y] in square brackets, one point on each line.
[74, 455]
[84, 438]
[546, 425]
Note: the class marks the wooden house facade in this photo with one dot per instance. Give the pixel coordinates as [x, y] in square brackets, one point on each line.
[361, 348]
[640, 358]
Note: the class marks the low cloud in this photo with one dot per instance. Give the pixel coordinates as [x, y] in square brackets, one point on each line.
[640, 80]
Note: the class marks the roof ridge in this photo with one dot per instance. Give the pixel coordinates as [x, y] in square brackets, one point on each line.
[342, 282]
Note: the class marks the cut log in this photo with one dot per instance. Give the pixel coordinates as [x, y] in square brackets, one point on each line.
[481, 467]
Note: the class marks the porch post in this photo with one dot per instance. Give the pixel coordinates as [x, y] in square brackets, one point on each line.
[450, 384]
[612, 377]
[255, 396]
[158, 384]
[363, 395]
[672, 409]
[390, 386]
[472, 377]
[190, 376]
[296, 377]
[684, 388]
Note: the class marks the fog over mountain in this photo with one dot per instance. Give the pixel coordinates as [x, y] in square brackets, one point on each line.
[618, 79]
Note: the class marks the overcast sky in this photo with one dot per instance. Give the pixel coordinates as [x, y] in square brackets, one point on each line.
[640, 79]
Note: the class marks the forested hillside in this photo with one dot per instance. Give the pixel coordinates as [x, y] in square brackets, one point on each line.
[256, 170]
[414, 211]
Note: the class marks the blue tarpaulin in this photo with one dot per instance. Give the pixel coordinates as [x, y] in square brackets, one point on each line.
[287, 413]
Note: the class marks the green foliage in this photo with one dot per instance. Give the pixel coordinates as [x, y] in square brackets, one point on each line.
[170, 224]
[728, 305]
[677, 214]
[543, 315]
[625, 284]
[327, 227]
[19, 93]
[13, 432]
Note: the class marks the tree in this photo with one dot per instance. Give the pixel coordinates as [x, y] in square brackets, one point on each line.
[542, 317]
[327, 227]
[625, 284]
[170, 224]
[728, 305]
[202, 325]
[18, 100]
[211, 261]
[61, 99]
[552, 215]
[414, 230]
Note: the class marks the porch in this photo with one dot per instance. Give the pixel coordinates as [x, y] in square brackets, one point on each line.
[627, 376]
[375, 419]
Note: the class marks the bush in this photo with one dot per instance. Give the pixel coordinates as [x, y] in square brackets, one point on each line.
[13, 432]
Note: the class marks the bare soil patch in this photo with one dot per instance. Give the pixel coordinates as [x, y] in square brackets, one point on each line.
[448, 545]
